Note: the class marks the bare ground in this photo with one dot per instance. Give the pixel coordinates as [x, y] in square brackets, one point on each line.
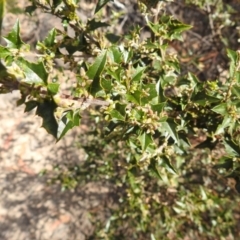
[29, 208]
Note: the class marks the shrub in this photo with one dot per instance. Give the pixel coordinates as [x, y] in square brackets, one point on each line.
[163, 138]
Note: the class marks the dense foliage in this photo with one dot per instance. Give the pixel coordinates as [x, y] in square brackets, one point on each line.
[165, 139]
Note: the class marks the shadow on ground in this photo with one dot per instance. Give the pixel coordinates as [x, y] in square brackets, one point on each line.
[29, 208]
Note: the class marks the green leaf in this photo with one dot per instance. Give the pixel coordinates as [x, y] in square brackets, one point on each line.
[96, 68]
[115, 54]
[221, 109]
[64, 125]
[93, 25]
[232, 55]
[46, 111]
[145, 140]
[175, 65]
[160, 91]
[13, 38]
[101, 4]
[226, 122]
[116, 115]
[76, 118]
[137, 74]
[74, 45]
[127, 54]
[4, 52]
[30, 105]
[50, 40]
[35, 73]
[236, 90]
[153, 168]
[167, 164]
[231, 147]
[69, 119]
[106, 84]
[151, 93]
[112, 38]
[170, 127]
[176, 28]
[203, 99]
[135, 97]
[237, 75]
[168, 79]
[53, 88]
[56, 2]
[158, 107]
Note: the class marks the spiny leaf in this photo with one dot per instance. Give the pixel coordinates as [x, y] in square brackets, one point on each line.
[13, 38]
[168, 164]
[96, 68]
[101, 4]
[69, 120]
[35, 73]
[153, 168]
[145, 140]
[49, 41]
[46, 111]
[93, 25]
[231, 146]
[94, 72]
[170, 127]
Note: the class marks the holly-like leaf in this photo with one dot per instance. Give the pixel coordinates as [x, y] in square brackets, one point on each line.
[64, 125]
[94, 72]
[106, 84]
[93, 25]
[49, 41]
[226, 123]
[170, 127]
[13, 38]
[137, 74]
[30, 105]
[168, 164]
[153, 168]
[116, 115]
[221, 109]
[69, 120]
[4, 52]
[113, 38]
[53, 88]
[231, 147]
[115, 54]
[96, 68]
[145, 140]
[35, 73]
[232, 55]
[46, 110]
